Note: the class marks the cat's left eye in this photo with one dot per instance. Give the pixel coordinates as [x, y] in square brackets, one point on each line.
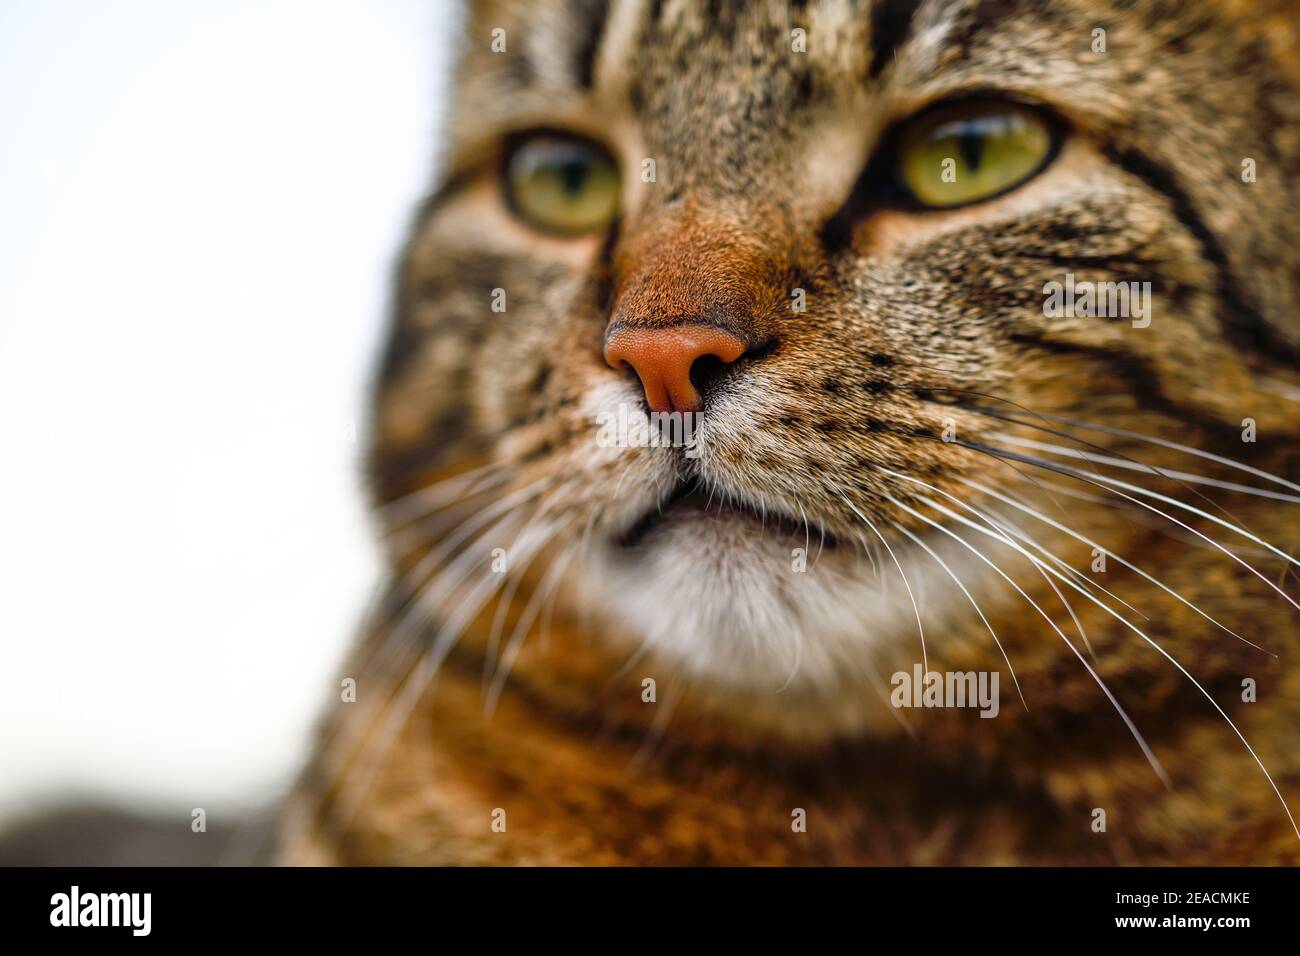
[968, 152]
[562, 184]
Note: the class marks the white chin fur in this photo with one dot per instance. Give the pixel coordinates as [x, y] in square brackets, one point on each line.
[722, 599]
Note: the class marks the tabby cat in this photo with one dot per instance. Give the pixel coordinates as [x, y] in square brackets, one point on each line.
[754, 360]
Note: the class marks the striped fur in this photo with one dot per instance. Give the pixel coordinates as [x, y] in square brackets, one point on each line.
[919, 328]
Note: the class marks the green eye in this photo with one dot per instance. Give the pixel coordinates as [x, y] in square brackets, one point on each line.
[562, 184]
[969, 152]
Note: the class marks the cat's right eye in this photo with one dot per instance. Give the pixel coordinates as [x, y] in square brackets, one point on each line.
[966, 152]
[561, 184]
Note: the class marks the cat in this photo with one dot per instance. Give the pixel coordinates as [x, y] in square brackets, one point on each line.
[824, 235]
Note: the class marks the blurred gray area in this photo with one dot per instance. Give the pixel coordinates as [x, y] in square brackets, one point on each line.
[82, 834]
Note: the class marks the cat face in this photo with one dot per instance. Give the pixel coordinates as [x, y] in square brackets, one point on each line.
[856, 243]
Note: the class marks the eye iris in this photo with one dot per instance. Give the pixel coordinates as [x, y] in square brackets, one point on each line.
[968, 153]
[562, 186]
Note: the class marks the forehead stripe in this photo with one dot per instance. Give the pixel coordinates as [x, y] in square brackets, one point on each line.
[593, 15]
[891, 24]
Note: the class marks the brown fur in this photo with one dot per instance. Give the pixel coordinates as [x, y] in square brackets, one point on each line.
[912, 319]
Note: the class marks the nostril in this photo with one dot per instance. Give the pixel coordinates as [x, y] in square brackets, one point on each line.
[665, 358]
[707, 371]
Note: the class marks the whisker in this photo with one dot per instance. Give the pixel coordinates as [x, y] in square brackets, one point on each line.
[415, 578]
[477, 521]
[1075, 438]
[432, 592]
[383, 655]
[1065, 469]
[642, 649]
[438, 495]
[673, 695]
[526, 619]
[794, 667]
[919, 626]
[1083, 634]
[1150, 521]
[1137, 735]
[1139, 466]
[394, 649]
[1006, 524]
[956, 580]
[807, 535]
[1111, 554]
[1069, 608]
[413, 687]
[504, 602]
[1175, 446]
[1068, 531]
[1135, 629]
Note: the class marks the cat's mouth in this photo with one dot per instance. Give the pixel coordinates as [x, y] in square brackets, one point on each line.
[692, 502]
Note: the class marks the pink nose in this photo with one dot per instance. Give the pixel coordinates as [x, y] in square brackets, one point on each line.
[664, 356]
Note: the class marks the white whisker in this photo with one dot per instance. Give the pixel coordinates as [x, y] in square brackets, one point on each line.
[956, 580]
[1111, 554]
[1197, 511]
[1137, 735]
[1111, 430]
[414, 686]
[526, 618]
[919, 626]
[1143, 467]
[1006, 524]
[1137, 630]
[438, 495]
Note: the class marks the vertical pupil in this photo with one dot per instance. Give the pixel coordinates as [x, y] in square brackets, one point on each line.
[970, 143]
[573, 173]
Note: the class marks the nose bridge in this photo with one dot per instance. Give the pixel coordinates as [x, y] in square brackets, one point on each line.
[690, 268]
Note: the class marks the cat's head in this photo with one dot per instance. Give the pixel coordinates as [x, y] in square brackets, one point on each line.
[855, 240]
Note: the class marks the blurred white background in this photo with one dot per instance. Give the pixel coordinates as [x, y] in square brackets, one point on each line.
[200, 204]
